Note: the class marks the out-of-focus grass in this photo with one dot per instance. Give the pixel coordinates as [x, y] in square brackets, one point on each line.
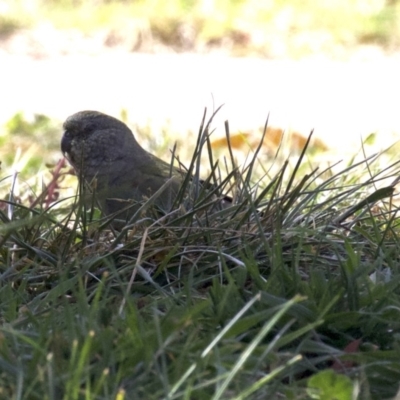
[26, 143]
[291, 28]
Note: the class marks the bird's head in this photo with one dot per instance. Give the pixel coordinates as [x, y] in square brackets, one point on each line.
[94, 141]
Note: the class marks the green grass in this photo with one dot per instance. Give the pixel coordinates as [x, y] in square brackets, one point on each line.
[261, 300]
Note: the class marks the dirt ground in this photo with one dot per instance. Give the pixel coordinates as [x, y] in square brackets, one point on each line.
[342, 100]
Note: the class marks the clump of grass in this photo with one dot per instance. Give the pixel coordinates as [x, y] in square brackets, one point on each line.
[290, 292]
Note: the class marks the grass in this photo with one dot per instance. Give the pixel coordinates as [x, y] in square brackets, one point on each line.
[290, 293]
[273, 29]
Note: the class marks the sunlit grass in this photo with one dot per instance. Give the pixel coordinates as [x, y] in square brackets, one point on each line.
[274, 28]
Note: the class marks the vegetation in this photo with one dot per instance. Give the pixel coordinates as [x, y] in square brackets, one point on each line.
[269, 28]
[292, 292]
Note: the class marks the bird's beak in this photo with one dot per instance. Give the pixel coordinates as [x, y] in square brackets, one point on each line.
[66, 144]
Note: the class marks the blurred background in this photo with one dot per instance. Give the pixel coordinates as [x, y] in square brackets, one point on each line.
[328, 65]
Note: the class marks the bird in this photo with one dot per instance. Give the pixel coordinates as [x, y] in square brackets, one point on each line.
[105, 154]
[110, 161]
